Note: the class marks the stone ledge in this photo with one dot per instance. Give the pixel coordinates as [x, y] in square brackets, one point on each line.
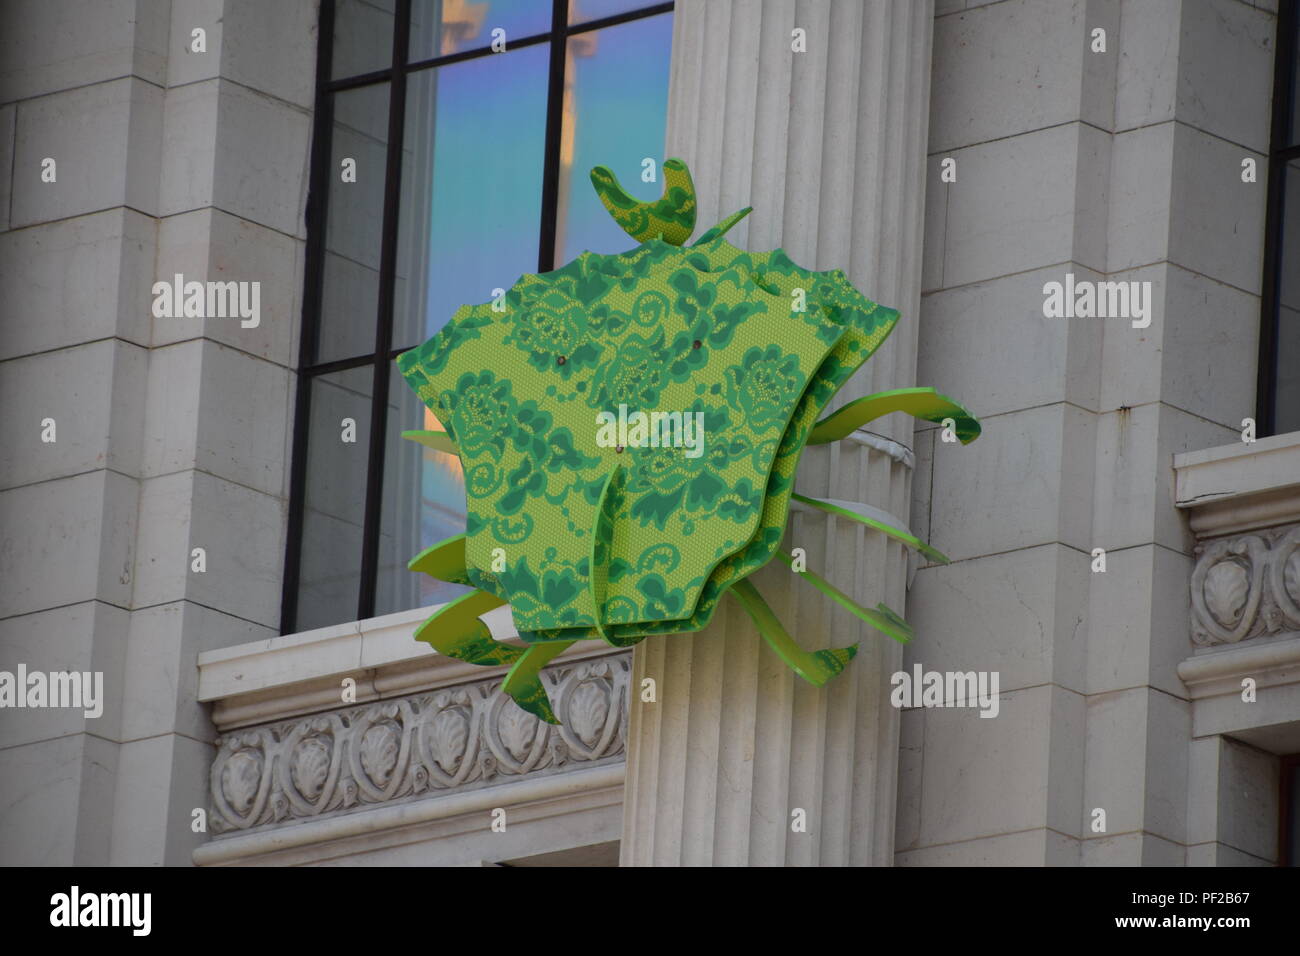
[526, 800]
[1269, 662]
[297, 674]
[1240, 487]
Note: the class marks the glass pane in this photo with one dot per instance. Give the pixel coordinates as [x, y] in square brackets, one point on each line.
[615, 109]
[335, 503]
[440, 27]
[471, 186]
[583, 11]
[424, 502]
[363, 37]
[354, 224]
[1287, 401]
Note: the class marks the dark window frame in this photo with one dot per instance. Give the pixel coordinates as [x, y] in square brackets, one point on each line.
[1284, 147]
[396, 75]
[1286, 820]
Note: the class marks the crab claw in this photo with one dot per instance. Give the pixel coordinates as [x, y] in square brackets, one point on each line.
[524, 684]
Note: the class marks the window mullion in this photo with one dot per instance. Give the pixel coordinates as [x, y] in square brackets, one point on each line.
[313, 285]
[554, 129]
[384, 326]
[1270, 306]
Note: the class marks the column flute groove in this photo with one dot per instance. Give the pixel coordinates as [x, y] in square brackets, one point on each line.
[829, 147]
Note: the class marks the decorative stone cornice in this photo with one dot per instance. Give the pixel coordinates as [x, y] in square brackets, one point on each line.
[297, 674]
[1218, 673]
[452, 739]
[1240, 487]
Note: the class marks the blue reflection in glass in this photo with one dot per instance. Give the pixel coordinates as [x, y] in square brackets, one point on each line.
[581, 11]
[470, 220]
[616, 110]
[423, 503]
[472, 184]
[441, 27]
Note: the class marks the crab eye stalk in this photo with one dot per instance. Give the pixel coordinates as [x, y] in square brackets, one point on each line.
[670, 218]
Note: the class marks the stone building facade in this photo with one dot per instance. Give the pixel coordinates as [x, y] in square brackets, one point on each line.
[955, 158]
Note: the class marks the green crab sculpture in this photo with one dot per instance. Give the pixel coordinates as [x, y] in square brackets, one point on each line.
[595, 531]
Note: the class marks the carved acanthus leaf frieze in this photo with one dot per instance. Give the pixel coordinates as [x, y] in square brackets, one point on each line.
[451, 738]
[1246, 586]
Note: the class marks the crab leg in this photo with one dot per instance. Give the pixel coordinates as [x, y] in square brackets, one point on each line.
[881, 618]
[722, 228]
[923, 403]
[858, 512]
[816, 667]
[602, 542]
[444, 561]
[438, 441]
[454, 629]
[524, 684]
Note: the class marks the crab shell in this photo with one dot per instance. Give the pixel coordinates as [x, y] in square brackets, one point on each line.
[620, 542]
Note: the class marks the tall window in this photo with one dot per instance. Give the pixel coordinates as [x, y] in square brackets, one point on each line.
[452, 144]
[1279, 347]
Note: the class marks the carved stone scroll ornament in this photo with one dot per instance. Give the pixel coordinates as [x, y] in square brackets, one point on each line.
[241, 779]
[310, 770]
[1246, 586]
[1285, 577]
[459, 737]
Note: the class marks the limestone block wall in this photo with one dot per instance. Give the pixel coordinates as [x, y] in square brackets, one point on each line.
[171, 433]
[1122, 165]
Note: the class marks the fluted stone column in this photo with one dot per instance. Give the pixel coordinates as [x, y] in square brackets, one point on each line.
[828, 146]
